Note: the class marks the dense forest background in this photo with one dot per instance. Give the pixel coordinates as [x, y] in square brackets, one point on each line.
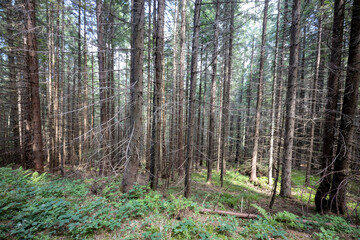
[152, 92]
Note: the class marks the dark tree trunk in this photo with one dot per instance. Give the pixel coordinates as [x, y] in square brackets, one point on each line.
[103, 89]
[191, 111]
[156, 156]
[274, 99]
[291, 101]
[314, 96]
[331, 107]
[33, 78]
[136, 92]
[348, 121]
[254, 159]
[211, 132]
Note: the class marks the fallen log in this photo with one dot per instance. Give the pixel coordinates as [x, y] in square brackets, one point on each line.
[236, 214]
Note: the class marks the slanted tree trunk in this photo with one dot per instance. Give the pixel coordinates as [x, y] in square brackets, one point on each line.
[348, 121]
[37, 154]
[331, 107]
[191, 111]
[291, 101]
[211, 132]
[136, 92]
[254, 158]
[156, 156]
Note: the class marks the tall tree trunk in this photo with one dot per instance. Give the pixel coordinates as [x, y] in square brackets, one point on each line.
[249, 97]
[331, 107]
[291, 100]
[173, 132]
[136, 90]
[181, 160]
[79, 89]
[211, 132]
[226, 95]
[191, 111]
[148, 106]
[348, 121]
[85, 112]
[254, 159]
[103, 89]
[33, 75]
[274, 100]
[279, 92]
[156, 156]
[314, 95]
[14, 112]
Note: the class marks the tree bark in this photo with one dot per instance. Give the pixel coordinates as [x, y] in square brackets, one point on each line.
[291, 101]
[211, 132]
[348, 121]
[156, 143]
[274, 99]
[33, 75]
[103, 89]
[181, 159]
[314, 96]
[136, 92]
[254, 159]
[331, 107]
[191, 111]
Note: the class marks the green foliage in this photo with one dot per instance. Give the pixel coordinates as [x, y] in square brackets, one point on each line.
[190, 229]
[39, 206]
[330, 225]
[326, 234]
[288, 219]
[263, 228]
[176, 206]
[227, 225]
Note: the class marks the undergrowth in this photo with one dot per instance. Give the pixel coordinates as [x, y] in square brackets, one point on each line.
[34, 206]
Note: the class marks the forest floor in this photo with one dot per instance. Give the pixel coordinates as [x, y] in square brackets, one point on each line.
[34, 206]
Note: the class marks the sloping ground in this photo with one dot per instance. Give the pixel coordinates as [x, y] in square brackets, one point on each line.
[36, 206]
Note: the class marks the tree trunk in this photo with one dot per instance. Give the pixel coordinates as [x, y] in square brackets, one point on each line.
[291, 101]
[136, 90]
[331, 107]
[181, 159]
[211, 132]
[249, 97]
[148, 106]
[33, 75]
[254, 159]
[314, 96]
[191, 111]
[274, 100]
[103, 86]
[156, 156]
[348, 121]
